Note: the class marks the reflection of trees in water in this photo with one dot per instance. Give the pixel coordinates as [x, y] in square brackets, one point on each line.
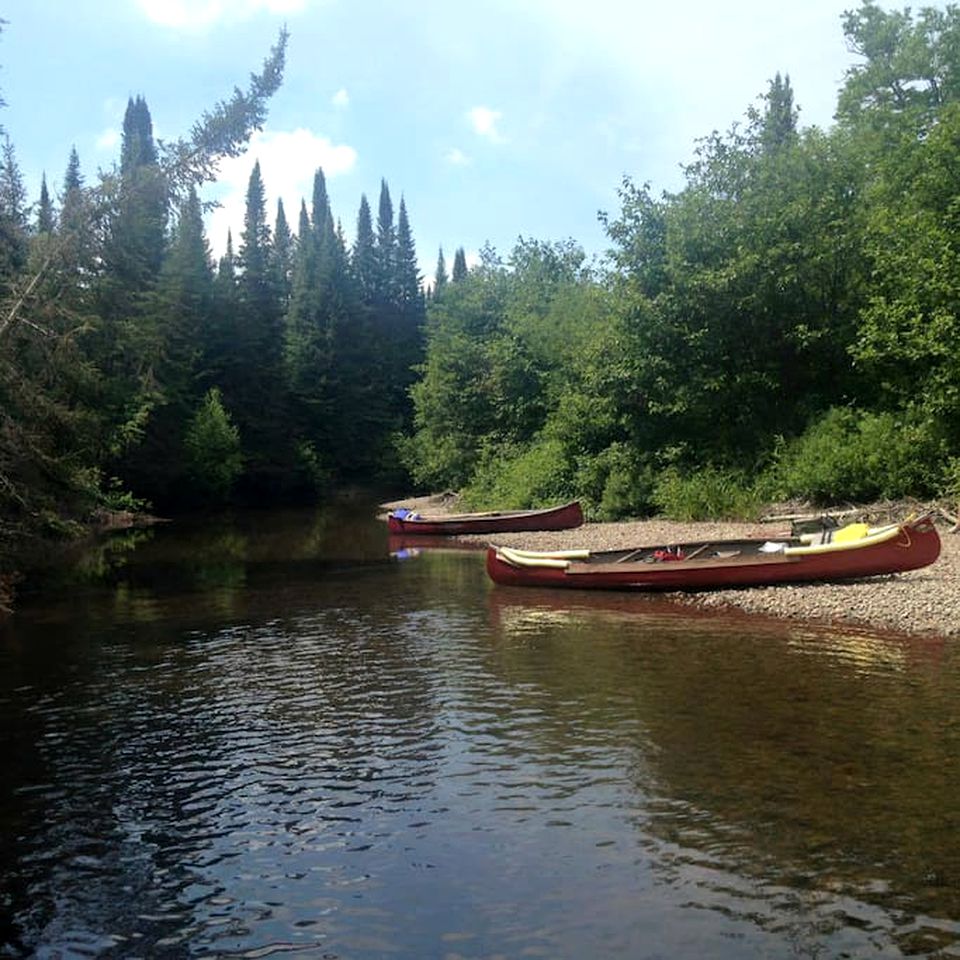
[810, 765]
[184, 763]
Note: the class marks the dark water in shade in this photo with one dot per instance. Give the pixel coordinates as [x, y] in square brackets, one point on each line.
[270, 737]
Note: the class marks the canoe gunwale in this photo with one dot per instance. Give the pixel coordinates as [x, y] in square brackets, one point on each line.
[892, 549]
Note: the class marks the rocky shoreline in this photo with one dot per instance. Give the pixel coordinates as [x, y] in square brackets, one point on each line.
[923, 601]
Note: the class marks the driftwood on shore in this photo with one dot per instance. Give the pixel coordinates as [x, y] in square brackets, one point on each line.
[897, 510]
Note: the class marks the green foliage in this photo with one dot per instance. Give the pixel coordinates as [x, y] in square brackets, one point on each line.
[539, 475]
[710, 493]
[212, 449]
[862, 456]
[617, 483]
[316, 475]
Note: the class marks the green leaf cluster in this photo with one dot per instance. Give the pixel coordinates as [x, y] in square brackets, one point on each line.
[785, 325]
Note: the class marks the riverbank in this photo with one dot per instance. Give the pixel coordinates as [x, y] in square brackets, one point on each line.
[923, 601]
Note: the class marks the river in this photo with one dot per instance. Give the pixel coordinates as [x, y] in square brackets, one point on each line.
[281, 733]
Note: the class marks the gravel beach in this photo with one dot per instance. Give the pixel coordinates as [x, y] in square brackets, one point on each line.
[923, 601]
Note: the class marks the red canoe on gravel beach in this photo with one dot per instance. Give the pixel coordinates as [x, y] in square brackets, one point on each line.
[852, 551]
[563, 517]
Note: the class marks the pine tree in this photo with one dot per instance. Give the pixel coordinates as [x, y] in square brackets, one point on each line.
[218, 336]
[128, 344]
[227, 265]
[364, 257]
[282, 260]
[255, 392]
[72, 179]
[137, 225]
[459, 265]
[407, 276]
[180, 309]
[255, 243]
[321, 215]
[778, 125]
[13, 214]
[72, 203]
[385, 247]
[138, 148]
[46, 220]
[440, 278]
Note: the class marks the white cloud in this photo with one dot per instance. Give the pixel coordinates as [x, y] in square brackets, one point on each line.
[341, 99]
[288, 161]
[456, 157]
[199, 14]
[484, 121]
[108, 139]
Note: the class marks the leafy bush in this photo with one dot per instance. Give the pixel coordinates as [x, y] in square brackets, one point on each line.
[616, 483]
[861, 456]
[538, 475]
[311, 469]
[708, 493]
[212, 448]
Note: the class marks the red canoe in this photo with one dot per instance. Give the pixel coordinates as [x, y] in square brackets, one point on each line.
[563, 517]
[852, 551]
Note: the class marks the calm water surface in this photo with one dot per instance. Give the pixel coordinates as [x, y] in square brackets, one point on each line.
[270, 736]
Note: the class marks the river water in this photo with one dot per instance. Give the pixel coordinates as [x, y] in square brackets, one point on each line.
[270, 735]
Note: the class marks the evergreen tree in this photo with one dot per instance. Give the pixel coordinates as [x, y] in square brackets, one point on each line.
[180, 309]
[128, 342]
[137, 225]
[440, 278]
[778, 124]
[137, 147]
[13, 214]
[282, 255]
[409, 290]
[218, 336]
[386, 248]
[410, 316]
[321, 216]
[255, 391]
[227, 265]
[76, 236]
[77, 337]
[364, 257]
[72, 179]
[255, 243]
[46, 220]
[459, 265]
[213, 457]
[72, 203]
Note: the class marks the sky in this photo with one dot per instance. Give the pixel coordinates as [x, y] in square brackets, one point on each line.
[493, 120]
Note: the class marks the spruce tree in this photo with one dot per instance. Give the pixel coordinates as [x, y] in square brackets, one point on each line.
[129, 343]
[386, 248]
[364, 257]
[440, 277]
[459, 265]
[282, 259]
[321, 215]
[137, 225]
[46, 220]
[72, 202]
[255, 392]
[13, 214]
[180, 308]
[778, 124]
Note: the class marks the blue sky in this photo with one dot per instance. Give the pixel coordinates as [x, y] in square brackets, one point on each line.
[494, 120]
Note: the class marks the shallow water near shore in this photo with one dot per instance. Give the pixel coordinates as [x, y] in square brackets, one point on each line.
[275, 734]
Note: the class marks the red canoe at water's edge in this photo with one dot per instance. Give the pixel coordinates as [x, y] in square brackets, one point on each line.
[562, 517]
[854, 551]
